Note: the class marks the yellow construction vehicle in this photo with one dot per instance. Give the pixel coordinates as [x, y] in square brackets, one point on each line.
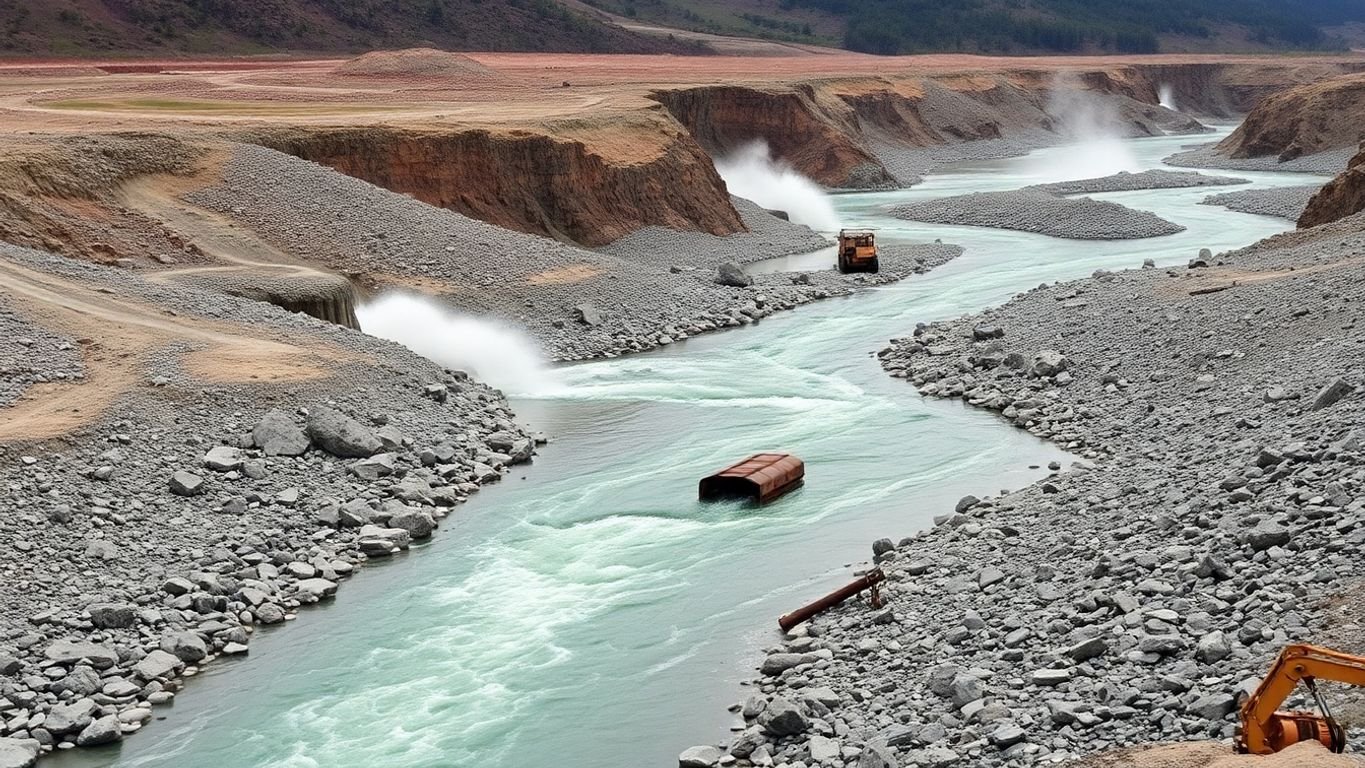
[1265, 729]
[857, 251]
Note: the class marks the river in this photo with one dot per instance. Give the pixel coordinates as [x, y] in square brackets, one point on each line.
[588, 612]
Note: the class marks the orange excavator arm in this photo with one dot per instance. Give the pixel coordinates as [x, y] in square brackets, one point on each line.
[1266, 730]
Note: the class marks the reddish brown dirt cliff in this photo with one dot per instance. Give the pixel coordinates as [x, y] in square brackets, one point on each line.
[1340, 197]
[1303, 120]
[543, 184]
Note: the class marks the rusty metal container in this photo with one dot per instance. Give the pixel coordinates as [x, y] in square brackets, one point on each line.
[762, 477]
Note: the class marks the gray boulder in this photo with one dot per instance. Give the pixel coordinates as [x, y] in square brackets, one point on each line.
[72, 651]
[340, 435]
[876, 755]
[417, 523]
[374, 467]
[278, 435]
[112, 615]
[700, 757]
[783, 718]
[157, 665]
[70, 716]
[105, 730]
[19, 753]
[587, 314]
[186, 646]
[732, 274]
[186, 484]
[223, 458]
[1332, 394]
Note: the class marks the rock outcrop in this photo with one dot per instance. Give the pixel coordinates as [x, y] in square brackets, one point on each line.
[1340, 197]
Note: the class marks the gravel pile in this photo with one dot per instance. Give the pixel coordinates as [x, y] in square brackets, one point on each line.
[1215, 512]
[578, 303]
[32, 355]
[1124, 181]
[147, 545]
[1283, 202]
[1328, 163]
[768, 237]
[1033, 210]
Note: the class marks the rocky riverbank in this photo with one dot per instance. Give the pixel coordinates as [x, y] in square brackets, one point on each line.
[232, 479]
[1216, 511]
[1328, 162]
[1038, 211]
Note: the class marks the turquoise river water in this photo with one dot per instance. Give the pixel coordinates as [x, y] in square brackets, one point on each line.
[588, 612]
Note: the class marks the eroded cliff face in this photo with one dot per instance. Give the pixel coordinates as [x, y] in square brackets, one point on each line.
[1303, 120]
[832, 130]
[803, 125]
[1339, 197]
[541, 183]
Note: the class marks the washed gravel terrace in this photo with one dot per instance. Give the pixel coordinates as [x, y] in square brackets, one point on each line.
[1039, 211]
[31, 355]
[1327, 163]
[1128, 182]
[1281, 202]
[146, 545]
[579, 304]
[1215, 511]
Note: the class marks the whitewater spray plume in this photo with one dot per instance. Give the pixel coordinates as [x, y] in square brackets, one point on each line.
[1166, 96]
[494, 353]
[751, 173]
[1095, 128]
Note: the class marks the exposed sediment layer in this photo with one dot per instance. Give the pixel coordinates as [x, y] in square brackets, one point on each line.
[1034, 210]
[544, 184]
[326, 297]
[1127, 600]
[1281, 202]
[1302, 120]
[1340, 197]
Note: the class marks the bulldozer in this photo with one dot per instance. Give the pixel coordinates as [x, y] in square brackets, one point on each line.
[1265, 729]
[857, 251]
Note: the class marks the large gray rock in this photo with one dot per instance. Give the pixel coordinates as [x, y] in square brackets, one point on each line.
[518, 447]
[186, 484]
[1332, 394]
[104, 730]
[732, 274]
[112, 615]
[341, 435]
[158, 665]
[417, 523]
[374, 467]
[587, 314]
[700, 757]
[965, 689]
[784, 718]
[69, 716]
[1267, 534]
[223, 458]
[278, 435]
[777, 663]
[72, 651]
[1049, 362]
[19, 753]
[186, 646]
[1213, 647]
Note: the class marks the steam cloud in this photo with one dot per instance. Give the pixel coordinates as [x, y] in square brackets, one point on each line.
[1096, 129]
[493, 353]
[752, 173]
